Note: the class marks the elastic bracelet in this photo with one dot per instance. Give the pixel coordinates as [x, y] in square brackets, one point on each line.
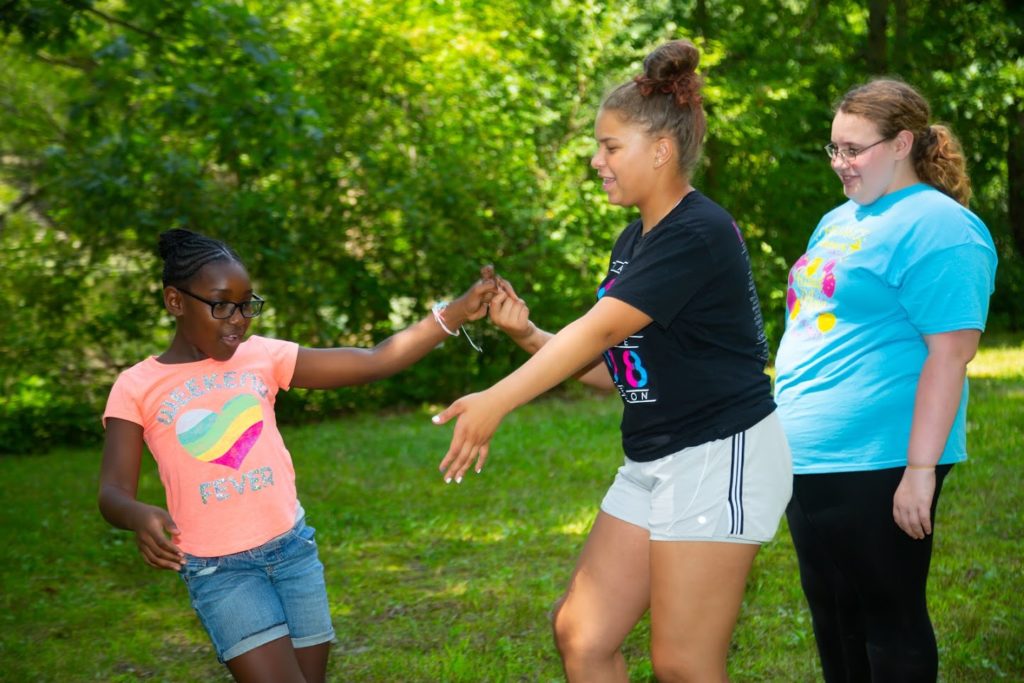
[920, 467]
[437, 309]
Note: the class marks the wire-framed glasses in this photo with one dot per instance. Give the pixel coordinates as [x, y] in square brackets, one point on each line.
[850, 153]
[222, 310]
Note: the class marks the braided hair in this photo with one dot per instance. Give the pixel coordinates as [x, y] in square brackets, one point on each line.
[184, 252]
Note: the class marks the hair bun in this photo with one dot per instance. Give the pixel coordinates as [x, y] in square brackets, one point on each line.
[671, 69]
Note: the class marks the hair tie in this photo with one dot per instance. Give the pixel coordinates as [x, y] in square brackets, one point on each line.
[679, 87]
[924, 142]
[645, 84]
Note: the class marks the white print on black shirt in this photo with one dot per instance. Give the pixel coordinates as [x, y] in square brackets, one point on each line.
[624, 361]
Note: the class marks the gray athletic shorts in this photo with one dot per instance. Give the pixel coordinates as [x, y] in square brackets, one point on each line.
[734, 489]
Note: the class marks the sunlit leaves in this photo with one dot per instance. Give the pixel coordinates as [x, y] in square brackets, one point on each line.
[362, 152]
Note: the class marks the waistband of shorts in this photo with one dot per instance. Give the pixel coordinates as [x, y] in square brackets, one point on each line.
[678, 447]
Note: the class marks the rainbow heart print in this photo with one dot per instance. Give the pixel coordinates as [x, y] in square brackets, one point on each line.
[226, 437]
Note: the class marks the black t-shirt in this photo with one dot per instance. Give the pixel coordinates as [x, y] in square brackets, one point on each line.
[696, 374]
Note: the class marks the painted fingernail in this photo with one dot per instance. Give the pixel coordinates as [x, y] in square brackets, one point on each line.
[458, 480]
[447, 480]
[435, 419]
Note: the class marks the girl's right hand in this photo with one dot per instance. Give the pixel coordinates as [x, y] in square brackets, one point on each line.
[510, 313]
[472, 305]
[151, 535]
[477, 417]
[912, 502]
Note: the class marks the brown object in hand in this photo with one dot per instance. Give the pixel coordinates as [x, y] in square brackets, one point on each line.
[487, 272]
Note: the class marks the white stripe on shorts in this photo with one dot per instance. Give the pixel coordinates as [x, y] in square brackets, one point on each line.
[739, 442]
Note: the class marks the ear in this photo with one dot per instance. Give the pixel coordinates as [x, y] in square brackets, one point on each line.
[173, 302]
[663, 151]
[904, 143]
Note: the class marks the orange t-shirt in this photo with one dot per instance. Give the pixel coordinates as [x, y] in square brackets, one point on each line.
[210, 426]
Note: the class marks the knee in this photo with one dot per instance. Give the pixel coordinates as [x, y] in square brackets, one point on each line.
[575, 642]
[679, 666]
[561, 627]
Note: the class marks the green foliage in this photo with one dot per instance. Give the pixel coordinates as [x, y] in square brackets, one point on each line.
[432, 582]
[36, 413]
[366, 158]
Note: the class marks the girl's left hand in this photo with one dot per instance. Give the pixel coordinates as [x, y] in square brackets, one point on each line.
[912, 504]
[478, 416]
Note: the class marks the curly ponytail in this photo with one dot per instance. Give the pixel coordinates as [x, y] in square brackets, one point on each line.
[939, 161]
[894, 106]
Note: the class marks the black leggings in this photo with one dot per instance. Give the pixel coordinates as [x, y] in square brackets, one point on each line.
[863, 577]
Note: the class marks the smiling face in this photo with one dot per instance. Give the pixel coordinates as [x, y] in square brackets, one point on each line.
[875, 171]
[626, 159]
[199, 335]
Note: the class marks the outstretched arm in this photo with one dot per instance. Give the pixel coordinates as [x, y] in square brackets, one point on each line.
[510, 313]
[119, 481]
[329, 368]
[607, 323]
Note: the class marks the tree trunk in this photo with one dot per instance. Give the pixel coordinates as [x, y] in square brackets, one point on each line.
[878, 60]
[900, 46]
[1015, 136]
[1015, 171]
[712, 149]
[701, 20]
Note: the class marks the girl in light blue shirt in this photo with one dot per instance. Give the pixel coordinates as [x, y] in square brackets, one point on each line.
[884, 311]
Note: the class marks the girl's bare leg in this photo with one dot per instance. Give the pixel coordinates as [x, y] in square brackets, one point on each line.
[608, 593]
[272, 662]
[696, 593]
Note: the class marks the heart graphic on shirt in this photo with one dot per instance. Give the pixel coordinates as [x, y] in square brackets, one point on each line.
[226, 437]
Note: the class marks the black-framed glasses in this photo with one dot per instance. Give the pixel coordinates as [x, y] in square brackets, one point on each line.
[222, 310]
[850, 153]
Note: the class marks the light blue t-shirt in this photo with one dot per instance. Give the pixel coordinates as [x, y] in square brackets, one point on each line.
[874, 280]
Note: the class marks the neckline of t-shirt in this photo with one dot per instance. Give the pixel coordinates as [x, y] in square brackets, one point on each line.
[208, 359]
[887, 200]
[157, 361]
[683, 201]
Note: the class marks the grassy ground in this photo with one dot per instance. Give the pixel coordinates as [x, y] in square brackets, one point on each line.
[430, 582]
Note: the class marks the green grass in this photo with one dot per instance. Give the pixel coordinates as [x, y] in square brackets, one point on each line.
[435, 582]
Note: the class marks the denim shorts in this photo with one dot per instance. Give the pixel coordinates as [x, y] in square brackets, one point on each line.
[248, 599]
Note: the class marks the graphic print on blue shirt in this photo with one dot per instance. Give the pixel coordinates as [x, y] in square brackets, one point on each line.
[810, 297]
[624, 361]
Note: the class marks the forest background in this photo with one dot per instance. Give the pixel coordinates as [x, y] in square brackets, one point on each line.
[365, 157]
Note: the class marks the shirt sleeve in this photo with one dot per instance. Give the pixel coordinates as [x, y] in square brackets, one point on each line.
[121, 404]
[283, 355]
[949, 289]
